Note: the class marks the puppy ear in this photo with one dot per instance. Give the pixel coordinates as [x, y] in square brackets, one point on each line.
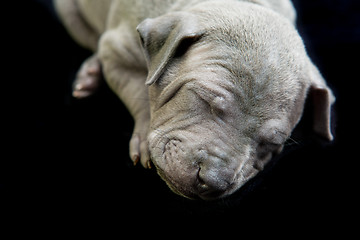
[323, 99]
[162, 37]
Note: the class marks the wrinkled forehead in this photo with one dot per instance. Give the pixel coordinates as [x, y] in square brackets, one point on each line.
[218, 74]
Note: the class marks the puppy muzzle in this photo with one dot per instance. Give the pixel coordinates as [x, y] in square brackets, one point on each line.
[195, 170]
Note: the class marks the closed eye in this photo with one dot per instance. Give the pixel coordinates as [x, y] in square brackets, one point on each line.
[216, 98]
[273, 142]
[275, 137]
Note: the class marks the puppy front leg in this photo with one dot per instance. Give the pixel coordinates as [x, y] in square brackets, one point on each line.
[126, 77]
[130, 88]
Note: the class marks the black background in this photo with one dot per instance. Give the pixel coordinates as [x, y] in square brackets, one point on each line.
[65, 161]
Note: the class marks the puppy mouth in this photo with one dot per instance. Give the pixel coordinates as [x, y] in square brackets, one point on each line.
[188, 171]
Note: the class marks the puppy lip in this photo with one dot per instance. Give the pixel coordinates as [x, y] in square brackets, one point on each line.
[211, 195]
[208, 193]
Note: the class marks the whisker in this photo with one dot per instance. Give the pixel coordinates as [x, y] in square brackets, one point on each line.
[290, 142]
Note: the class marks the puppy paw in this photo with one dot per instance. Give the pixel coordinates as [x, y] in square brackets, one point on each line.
[88, 78]
[139, 148]
[139, 151]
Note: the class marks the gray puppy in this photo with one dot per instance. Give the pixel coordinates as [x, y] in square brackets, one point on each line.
[215, 86]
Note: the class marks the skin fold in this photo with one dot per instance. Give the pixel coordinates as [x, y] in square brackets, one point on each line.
[215, 86]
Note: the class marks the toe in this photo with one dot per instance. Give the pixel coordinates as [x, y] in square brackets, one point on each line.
[84, 87]
[145, 155]
[139, 151]
[134, 149]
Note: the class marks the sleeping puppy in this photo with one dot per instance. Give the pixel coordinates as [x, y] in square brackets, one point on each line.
[215, 86]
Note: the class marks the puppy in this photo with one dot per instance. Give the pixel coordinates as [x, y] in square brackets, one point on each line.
[215, 86]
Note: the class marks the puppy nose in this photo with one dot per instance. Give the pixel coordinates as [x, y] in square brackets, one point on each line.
[210, 185]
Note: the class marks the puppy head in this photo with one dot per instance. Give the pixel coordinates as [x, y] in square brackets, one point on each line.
[225, 94]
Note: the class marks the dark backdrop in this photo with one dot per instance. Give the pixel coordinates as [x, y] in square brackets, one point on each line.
[68, 159]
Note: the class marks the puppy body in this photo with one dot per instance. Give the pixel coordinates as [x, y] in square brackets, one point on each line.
[215, 87]
[87, 20]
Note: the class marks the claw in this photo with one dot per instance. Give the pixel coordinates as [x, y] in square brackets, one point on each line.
[148, 163]
[79, 87]
[81, 94]
[135, 159]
